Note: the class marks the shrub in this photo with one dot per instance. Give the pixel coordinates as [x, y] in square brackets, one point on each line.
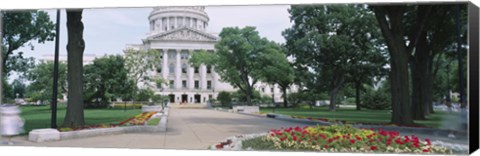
[144, 95]
[376, 100]
[225, 98]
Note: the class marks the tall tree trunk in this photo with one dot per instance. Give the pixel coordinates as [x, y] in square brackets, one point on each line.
[400, 87]
[285, 98]
[337, 84]
[394, 32]
[75, 47]
[419, 70]
[428, 80]
[249, 96]
[357, 94]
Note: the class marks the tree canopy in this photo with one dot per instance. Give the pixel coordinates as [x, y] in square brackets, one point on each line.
[238, 58]
[21, 28]
[334, 44]
[106, 79]
[41, 84]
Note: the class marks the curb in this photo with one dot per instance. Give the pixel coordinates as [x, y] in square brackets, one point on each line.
[161, 127]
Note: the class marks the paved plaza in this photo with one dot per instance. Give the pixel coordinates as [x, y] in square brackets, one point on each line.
[186, 129]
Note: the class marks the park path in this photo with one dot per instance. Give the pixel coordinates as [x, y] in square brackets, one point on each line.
[186, 129]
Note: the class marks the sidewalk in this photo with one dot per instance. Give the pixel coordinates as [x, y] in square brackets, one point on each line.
[186, 129]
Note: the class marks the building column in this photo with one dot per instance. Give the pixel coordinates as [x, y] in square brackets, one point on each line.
[165, 67]
[168, 23]
[184, 21]
[214, 78]
[203, 77]
[178, 69]
[191, 72]
[160, 28]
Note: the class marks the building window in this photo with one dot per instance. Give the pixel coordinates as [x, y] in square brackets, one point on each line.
[171, 54]
[172, 84]
[184, 55]
[188, 22]
[171, 68]
[195, 23]
[271, 90]
[263, 90]
[209, 69]
[184, 68]
[196, 70]
[197, 85]
[159, 69]
[184, 84]
[209, 84]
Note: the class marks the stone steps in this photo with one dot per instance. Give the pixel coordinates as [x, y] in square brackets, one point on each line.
[189, 106]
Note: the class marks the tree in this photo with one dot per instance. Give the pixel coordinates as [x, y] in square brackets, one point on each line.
[18, 88]
[74, 116]
[105, 80]
[277, 69]
[329, 42]
[21, 28]
[139, 63]
[391, 21]
[436, 39]
[144, 95]
[236, 59]
[41, 80]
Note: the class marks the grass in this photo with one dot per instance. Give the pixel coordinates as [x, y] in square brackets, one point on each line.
[435, 120]
[153, 122]
[40, 116]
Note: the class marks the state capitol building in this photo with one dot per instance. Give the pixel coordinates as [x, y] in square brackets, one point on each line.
[177, 33]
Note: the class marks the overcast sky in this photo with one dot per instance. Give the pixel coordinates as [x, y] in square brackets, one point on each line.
[107, 31]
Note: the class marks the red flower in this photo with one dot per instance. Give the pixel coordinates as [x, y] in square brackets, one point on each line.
[323, 136]
[371, 140]
[283, 139]
[294, 138]
[358, 138]
[373, 148]
[326, 146]
[298, 129]
[389, 142]
[426, 150]
[352, 141]
[428, 142]
[330, 140]
[416, 145]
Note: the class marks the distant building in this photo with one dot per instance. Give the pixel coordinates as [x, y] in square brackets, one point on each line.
[177, 33]
[87, 58]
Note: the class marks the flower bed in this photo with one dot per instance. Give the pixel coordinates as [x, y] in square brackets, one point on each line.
[350, 122]
[139, 119]
[341, 138]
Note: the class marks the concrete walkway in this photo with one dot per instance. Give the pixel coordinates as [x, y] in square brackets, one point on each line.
[186, 129]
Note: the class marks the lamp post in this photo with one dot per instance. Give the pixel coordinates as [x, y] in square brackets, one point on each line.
[55, 73]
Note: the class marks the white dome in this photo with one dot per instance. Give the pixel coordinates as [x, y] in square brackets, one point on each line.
[170, 18]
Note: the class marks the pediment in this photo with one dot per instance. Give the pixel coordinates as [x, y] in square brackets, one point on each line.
[184, 34]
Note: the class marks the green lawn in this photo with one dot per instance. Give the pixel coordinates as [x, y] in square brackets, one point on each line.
[39, 116]
[350, 114]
